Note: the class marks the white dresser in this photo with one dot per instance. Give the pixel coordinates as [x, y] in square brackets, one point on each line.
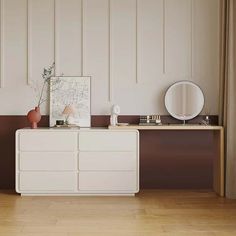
[77, 162]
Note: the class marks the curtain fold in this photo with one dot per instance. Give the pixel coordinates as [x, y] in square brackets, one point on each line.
[228, 91]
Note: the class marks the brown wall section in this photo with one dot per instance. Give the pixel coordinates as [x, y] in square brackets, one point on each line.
[8, 126]
[168, 159]
[177, 159]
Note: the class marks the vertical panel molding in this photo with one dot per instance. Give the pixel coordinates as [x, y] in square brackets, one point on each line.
[82, 37]
[56, 39]
[2, 77]
[137, 23]
[192, 37]
[29, 45]
[110, 96]
[164, 36]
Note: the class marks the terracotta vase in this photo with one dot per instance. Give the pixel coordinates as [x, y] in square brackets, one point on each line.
[34, 117]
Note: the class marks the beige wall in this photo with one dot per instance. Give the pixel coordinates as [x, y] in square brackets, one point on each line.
[133, 49]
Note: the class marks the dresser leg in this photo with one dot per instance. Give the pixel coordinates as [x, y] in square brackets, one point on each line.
[219, 165]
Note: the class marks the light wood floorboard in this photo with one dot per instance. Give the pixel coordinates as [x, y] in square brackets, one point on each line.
[159, 213]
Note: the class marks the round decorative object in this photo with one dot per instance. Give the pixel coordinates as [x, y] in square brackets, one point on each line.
[184, 100]
[34, 117]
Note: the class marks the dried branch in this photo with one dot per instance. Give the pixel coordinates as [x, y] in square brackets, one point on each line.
[46, 75]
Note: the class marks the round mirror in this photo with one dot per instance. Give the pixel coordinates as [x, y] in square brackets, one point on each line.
[184, 100]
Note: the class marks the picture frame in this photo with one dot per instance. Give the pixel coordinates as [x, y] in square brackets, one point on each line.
[74, 91]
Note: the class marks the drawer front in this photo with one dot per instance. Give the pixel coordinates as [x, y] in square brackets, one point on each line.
[48, 181]
[50, 161]
[48, 141]
[107, 161]
[108, 181]
[107, 141]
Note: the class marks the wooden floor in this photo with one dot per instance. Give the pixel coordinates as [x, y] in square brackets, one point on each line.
[159, 213]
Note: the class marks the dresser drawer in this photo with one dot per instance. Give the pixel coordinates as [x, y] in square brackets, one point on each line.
[107, 141]
[48, 161]
[48, 181]
[47, 141]
[108, 181]
[107, 161]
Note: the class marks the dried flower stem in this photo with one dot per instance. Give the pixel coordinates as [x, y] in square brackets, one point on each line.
[47, 74]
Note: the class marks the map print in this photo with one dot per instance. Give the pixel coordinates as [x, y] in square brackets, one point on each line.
[73, 91]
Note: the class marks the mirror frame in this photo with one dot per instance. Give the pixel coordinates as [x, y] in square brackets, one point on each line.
[176, 84]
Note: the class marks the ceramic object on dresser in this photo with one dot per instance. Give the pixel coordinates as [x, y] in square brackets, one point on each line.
[34, 116]
[115, 111]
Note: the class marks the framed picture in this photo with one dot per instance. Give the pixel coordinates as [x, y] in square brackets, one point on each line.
[70, 91]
